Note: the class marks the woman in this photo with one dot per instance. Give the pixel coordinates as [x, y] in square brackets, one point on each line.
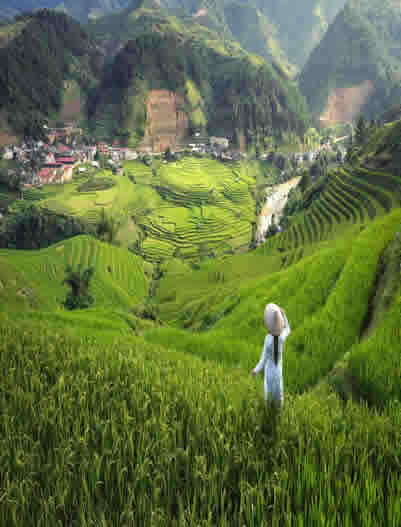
[279, 329]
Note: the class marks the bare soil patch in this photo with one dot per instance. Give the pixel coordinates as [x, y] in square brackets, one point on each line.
[166, 124]
[344, 104]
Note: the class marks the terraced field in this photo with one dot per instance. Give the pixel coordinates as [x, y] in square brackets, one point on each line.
[347, 200]
[160, 423]
[193, 208]
[34, 279]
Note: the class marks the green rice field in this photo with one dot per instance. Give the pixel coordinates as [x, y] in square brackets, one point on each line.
[110, 418]
[194, 207]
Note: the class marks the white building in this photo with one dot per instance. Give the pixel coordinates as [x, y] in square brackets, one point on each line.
[221, 142]
[130, 155]
[8, 154]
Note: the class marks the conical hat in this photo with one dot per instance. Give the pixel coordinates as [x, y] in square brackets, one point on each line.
[273, 319]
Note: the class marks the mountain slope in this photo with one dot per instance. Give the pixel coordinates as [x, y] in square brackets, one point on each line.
[218, 88]
[357, 66]
[300, 25]
[279, 29]
[50, 60]
[152, 425]
[80, 9]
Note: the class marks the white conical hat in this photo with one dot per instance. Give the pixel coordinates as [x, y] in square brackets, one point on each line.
[274, 319]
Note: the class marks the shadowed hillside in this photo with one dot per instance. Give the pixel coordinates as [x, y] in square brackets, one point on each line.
[360, 54]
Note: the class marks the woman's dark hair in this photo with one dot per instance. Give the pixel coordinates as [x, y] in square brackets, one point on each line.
[275, 350]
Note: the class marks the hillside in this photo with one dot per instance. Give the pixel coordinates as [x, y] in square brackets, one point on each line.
[300, 25]
[183, 74]
[152, 423]
[192, 208]
[33, 279]
[277, 30]
[216, 88]
[357, 66]
[48, 66]
[80, 9]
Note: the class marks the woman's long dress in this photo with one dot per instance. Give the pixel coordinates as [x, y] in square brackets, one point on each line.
[273, 373]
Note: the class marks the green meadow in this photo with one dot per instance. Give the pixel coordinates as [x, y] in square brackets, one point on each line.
[112, 419]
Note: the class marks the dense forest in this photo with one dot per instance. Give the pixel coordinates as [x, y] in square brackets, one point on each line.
[50, 48]
[362, 44]
[237, 94]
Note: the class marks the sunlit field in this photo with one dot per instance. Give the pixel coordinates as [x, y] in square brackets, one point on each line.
[111, 417]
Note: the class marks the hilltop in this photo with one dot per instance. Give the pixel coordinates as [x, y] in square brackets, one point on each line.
[277, 30]
[356, 66]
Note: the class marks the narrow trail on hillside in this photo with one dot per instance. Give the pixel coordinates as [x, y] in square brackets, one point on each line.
[275, 202]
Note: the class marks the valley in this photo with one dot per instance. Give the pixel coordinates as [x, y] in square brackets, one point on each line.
[168, 168]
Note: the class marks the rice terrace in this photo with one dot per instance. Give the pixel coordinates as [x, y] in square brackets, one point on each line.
[205, 333]
[129, 420]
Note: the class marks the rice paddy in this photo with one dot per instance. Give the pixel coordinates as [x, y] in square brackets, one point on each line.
[114, 420]
[194, 207]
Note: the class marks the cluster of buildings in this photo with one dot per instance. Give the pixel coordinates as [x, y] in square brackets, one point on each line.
[43, 163]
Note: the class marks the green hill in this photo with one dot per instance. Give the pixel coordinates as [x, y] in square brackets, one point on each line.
[114, 419]
[52, 70]
[47, 65]
[33, 279]
[80, 9]
[300, 25]
[216, 87]
[357, 63]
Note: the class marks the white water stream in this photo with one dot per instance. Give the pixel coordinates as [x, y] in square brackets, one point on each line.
[276, 198]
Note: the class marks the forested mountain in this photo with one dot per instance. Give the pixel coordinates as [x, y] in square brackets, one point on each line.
[282, 29]
[357, 66]
[52, 69]
[45, 55]
[300, 25]
[216, 88]
[80, 9]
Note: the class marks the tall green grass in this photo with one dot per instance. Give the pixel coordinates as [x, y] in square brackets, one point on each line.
[129, 435]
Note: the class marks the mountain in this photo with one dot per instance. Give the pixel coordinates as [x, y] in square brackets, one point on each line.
[300, 25]
[81, 9]
[170, 80]
[357, 65]
[53, 69]
[281, 29]
[48, 66]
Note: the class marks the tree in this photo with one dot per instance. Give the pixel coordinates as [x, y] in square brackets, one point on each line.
[167, 154]
[361, 131]
[305, 181]
[79, 281]
[106, 229]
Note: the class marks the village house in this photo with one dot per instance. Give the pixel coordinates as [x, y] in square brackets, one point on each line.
[8, 154]
[220, 143]
[129, 155]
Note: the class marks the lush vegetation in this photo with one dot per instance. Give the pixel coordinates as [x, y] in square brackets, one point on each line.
[140, 409]
[34, 65]
[362, 44]
[237, 95]
[33, 228]
[192, 208]
[96, 184]
[157, 420]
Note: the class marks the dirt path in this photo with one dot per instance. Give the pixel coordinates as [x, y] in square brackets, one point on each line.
[276, 199]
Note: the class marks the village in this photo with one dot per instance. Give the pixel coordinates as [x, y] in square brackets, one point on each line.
[41, 163]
